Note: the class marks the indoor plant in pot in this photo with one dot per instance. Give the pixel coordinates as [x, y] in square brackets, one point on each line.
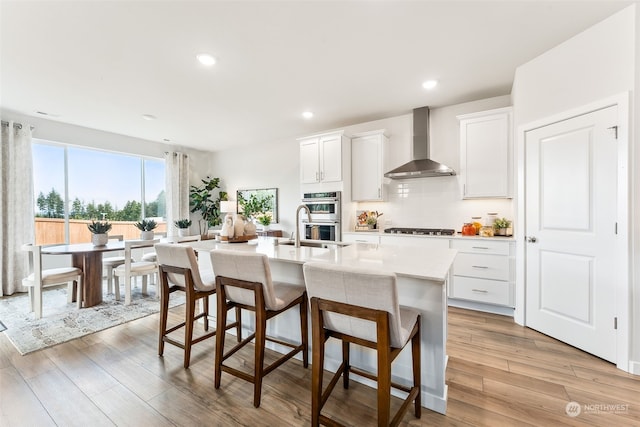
[99, 232]
[202, 201]
[146, 227]
[503, 227]
[257, 209]
[183, 226]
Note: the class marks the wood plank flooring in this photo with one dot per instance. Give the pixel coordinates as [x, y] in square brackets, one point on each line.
[499, 374]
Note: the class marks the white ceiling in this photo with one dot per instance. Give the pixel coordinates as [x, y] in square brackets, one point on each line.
[103, 64]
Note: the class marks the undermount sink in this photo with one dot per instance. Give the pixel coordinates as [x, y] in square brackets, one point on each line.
[303, 243]
[312, 244]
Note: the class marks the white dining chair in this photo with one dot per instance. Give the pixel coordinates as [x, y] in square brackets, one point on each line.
[132, 268]
[38, 279]
[111, 262]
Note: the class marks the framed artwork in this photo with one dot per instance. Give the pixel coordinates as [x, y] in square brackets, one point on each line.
[267, 197]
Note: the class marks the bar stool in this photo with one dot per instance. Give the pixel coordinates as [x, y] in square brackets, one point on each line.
[178, 270]
[244, 280]
[360, 306]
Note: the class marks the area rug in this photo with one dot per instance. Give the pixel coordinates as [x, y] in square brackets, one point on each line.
[63, 322]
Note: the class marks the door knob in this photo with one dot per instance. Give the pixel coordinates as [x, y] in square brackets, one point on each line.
[532, 239]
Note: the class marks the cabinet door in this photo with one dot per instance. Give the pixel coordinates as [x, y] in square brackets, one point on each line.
[421, 242]
[485, 155]
[309, 161]
[331, 158]
[366, 168]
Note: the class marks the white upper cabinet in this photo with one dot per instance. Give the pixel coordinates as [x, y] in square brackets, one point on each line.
[486, 156]
[367, 163]
[321, 158]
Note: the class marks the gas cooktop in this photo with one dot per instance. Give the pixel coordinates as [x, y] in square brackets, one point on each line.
[423, 231]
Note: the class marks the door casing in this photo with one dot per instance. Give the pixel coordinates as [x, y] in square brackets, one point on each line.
[623, 284]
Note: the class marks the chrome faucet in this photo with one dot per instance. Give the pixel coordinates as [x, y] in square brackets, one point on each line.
[297, 243]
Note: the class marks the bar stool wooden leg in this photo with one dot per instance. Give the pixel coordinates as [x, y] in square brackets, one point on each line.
[222, 320]
[415, 355]
[261, 331]
[164, 312]
[304, 333]
[345, 364]
[317, 367]
[188, 328]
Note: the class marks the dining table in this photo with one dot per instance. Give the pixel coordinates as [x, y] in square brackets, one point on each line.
[88, 257]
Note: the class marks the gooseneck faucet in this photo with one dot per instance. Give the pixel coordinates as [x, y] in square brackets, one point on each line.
[297, 243]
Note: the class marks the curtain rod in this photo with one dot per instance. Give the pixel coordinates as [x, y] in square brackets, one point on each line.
[15, 125]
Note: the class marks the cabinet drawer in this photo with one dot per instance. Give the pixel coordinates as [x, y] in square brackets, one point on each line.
[480, 246]
[363, 238]
[481, 290]
[483, 266]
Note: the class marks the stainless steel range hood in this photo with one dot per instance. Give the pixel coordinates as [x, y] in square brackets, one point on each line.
[421, 166]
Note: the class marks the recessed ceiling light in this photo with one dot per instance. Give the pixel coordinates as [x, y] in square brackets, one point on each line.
[430, 84]
[307, 114]
[166, 140]
[206, 59]
[148, 117]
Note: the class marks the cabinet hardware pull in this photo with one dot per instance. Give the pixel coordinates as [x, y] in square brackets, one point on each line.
[482, 291]
[317, 177]
[479, 247]
[379, 197]
[479, 266]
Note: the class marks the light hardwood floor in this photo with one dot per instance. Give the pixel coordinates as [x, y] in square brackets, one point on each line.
[499, 374]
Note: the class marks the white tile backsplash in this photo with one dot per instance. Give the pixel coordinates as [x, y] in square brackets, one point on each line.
[433, 203]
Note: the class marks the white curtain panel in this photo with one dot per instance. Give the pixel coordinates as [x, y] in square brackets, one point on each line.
[177, 189]
[16, 204]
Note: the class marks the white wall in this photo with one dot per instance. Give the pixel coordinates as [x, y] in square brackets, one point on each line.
[599, 63]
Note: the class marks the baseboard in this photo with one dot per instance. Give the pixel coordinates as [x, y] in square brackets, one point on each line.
[634, 367]
[479, 306]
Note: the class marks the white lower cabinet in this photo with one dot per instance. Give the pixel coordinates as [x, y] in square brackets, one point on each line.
[483, 271]
[360, 238]
[415, 241]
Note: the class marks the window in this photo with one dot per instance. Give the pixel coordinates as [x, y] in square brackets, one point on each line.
[73, 186]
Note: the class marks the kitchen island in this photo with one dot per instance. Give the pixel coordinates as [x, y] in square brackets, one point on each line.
[422, 284]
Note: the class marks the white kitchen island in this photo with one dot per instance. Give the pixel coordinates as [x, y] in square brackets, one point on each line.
[422, 284]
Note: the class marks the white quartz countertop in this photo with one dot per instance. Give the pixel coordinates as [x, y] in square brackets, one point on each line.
[424, 236]
[427, 264]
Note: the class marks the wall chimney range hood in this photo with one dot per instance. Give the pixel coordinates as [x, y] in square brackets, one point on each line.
[421, 166]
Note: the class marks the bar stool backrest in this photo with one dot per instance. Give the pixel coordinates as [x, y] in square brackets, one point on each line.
[249, 266]
[358, 287]
[183, 256]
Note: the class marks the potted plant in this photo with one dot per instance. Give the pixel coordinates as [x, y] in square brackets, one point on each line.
[99, 232]
[503, 227]
[257, 207]
[265, 220]
[201, 201]
[183, 226]
[146, 227]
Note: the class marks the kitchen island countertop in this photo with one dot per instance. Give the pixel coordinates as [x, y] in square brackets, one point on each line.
[422, 279]
[429, 264]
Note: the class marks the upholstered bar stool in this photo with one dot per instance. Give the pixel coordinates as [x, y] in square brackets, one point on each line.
[361, 307]
[179, 271]
[244, 280]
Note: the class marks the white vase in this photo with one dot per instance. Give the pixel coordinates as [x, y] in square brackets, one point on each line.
[183, 232]
[249, 229]
[99, 239]
[147, 235]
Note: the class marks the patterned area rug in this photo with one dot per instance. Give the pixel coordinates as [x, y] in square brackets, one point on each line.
[63, 322]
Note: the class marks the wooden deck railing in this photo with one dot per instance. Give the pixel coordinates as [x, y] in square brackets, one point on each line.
[51, 230]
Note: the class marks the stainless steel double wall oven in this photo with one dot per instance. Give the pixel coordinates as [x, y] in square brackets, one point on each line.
[326, 214]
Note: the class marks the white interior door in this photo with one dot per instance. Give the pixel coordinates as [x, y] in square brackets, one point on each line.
[571, 195]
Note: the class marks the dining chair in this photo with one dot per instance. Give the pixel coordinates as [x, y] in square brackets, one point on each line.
[111, 262]
[132, 268]
[361, 307]
[244, 281]
[179, 271]
[39, 278]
